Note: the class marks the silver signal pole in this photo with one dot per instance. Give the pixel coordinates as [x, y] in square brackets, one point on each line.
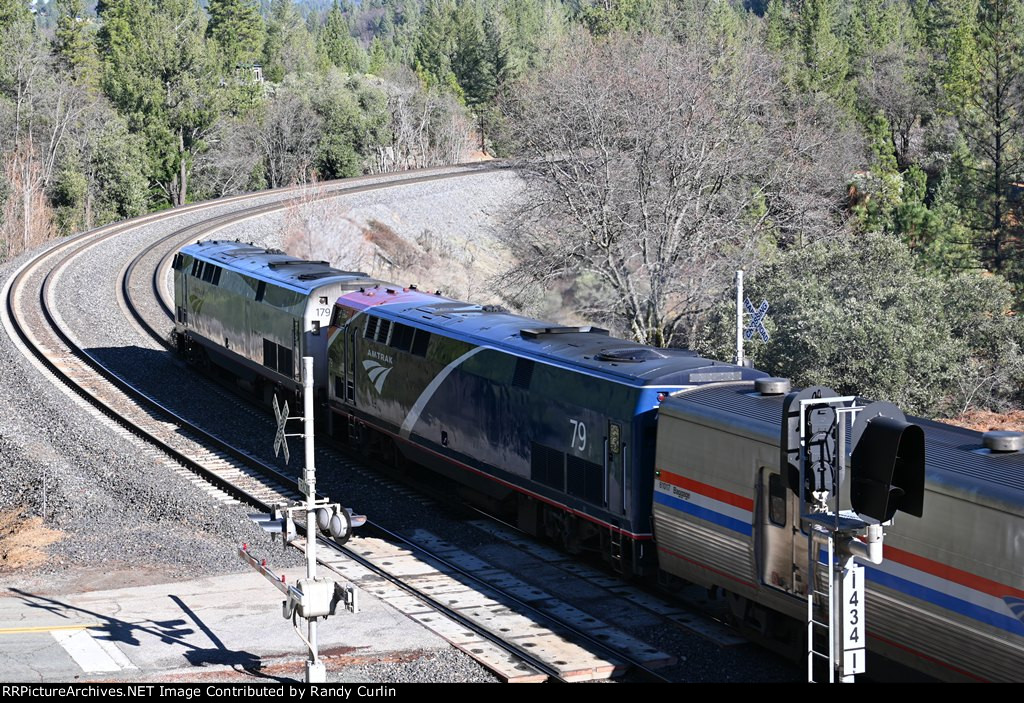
[316, 672]
[311, 598]
[739, 318]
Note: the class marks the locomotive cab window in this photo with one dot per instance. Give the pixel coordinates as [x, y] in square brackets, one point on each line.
[340, 316]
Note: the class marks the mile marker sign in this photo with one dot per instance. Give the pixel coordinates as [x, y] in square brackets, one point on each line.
[282, 420]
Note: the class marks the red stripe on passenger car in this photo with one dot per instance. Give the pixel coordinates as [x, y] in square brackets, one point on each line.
[704, 489]
[702, 565]
[944, 571]
[926, 657]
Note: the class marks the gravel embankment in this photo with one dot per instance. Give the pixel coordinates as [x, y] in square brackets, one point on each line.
[122, 519]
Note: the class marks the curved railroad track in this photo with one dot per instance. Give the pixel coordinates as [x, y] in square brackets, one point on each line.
[500, 629]
[34, 319]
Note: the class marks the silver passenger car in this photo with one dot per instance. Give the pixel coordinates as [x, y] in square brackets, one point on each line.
[256, 312]
[948, 599]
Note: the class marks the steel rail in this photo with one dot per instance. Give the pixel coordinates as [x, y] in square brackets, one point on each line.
[68, 251]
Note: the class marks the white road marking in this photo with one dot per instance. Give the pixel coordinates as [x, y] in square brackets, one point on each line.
[92, 655]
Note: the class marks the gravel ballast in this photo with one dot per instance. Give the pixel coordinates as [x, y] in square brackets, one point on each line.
[122, 518]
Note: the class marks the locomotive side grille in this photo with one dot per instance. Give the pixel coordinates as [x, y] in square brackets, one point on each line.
[269, 354]
[523, 373]
[547, 466]
[585, 479]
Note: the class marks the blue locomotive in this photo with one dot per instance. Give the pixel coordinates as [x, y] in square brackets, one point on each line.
[553, 425]
[656, 458]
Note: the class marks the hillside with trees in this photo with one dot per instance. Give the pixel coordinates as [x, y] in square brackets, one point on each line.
[862, 161]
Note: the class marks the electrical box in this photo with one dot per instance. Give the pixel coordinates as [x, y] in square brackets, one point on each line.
[314, 599]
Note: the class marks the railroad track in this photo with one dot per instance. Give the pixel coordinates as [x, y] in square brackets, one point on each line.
[37, 324]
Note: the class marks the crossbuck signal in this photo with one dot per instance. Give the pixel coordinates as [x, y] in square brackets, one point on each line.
[756, 326]
[281, 437]
[756, 320]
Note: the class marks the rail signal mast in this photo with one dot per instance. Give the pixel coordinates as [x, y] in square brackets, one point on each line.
[886, 476]
[312, 598]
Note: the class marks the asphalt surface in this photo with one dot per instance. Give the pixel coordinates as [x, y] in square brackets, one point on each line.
[224, 628]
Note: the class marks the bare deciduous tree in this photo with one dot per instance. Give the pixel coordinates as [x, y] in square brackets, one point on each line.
[26, 219]
[893, 87]
[428, 127]
[286, 138]
[228, 166]
[320, 227]
[36, 123]
[654, 169]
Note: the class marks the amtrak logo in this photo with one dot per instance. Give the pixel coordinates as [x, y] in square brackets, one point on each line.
[377, 372]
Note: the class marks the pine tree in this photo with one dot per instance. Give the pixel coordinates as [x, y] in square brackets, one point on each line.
[824, 54]
[118, 19]
[435, 43]
[778, 26]
[289, 47]
[382, 55]
[13, 11]
[469, 59]
[236, 27]
[337, 43]
[991, 115]
[74, 44]
[956, 56]
[158, 73]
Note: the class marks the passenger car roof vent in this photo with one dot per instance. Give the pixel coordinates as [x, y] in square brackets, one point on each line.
[772, 386]
[632, 355]
[1003, 441]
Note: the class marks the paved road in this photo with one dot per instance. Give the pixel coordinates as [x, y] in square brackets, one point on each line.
[209, 629]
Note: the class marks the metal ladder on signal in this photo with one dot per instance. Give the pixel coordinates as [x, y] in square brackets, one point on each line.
[825, 531]
[826, 603]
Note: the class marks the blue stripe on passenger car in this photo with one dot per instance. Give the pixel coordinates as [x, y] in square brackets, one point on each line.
[744, 528]
[945, 600]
